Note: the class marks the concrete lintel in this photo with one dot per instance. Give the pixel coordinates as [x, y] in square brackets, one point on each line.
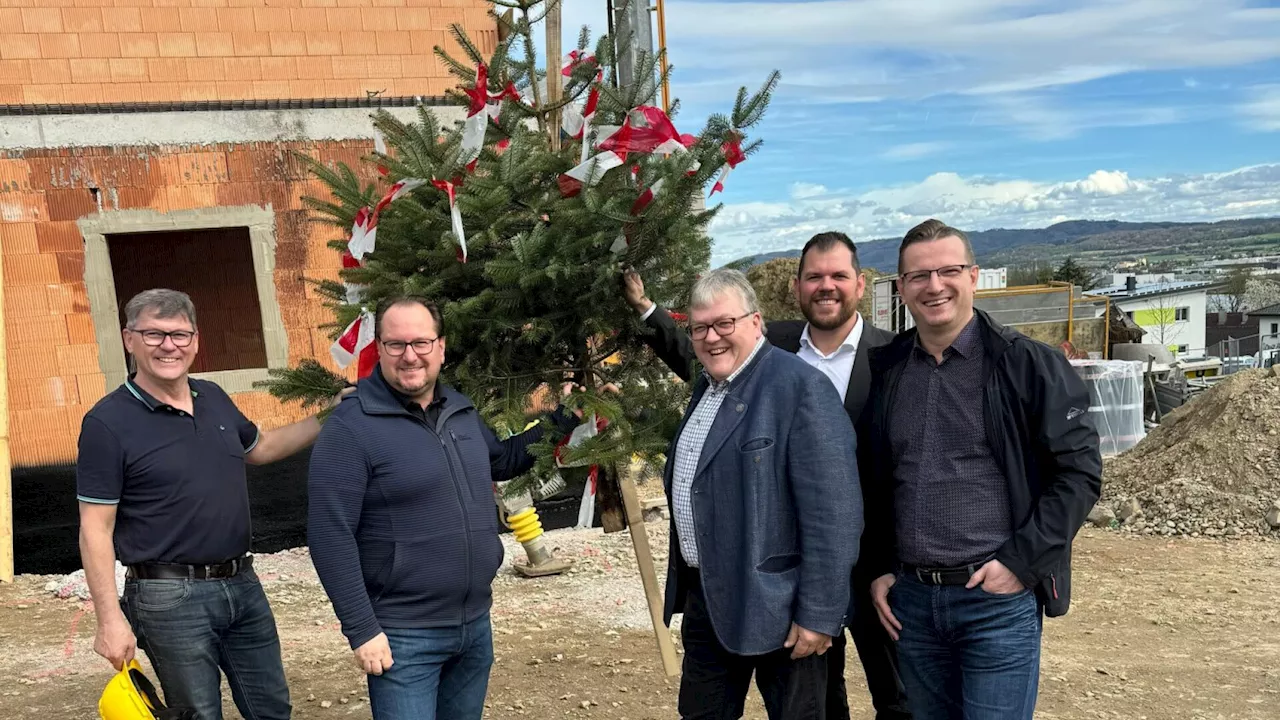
[100, 282]
[19, 132]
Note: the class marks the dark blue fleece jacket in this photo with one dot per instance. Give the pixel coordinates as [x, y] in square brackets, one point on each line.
[402, 523]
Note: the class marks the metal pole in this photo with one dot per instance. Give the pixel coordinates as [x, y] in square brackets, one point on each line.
[634, 39]
[662, 47]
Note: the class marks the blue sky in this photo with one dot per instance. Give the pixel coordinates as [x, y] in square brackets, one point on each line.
[984, 113]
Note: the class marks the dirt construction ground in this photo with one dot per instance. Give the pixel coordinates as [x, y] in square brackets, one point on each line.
[1159, 628]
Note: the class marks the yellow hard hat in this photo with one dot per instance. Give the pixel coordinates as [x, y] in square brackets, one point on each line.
[131, 696]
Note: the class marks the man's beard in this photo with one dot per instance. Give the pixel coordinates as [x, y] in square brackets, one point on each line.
[846, 310]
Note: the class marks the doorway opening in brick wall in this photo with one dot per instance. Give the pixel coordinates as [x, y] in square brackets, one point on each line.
[214, 267]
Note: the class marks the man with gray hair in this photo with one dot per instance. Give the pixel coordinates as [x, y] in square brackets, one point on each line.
[766, 515]
[161, 482]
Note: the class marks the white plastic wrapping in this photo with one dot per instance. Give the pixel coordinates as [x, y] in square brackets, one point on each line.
[1115, 401]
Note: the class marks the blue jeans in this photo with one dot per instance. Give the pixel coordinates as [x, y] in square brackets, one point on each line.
[967, 654]
[435, 672]
[192, 629]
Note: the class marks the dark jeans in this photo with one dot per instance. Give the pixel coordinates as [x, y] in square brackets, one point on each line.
[879, 657]
[967, 654]
[192, 629]
[714, 681]
[435, 672]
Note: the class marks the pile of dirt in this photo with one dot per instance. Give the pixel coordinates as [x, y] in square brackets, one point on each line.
[1211, 468]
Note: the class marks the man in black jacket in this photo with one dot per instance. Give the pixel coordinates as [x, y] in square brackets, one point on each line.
[836, 340]
[980, 466]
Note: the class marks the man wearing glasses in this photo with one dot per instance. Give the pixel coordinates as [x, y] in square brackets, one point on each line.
[402, 525]
[835, 339]
[161, 483]
[980, 468]
[766, 516]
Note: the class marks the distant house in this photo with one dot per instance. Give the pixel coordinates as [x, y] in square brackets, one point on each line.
[1268, 329]
[1230, 334]
[1172, 312]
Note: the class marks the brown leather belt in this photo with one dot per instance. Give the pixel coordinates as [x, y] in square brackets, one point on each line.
[174, 571]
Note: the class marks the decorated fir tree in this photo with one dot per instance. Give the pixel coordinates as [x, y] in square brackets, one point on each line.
[521, 243]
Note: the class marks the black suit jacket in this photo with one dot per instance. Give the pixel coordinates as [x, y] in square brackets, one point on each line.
[675, 348]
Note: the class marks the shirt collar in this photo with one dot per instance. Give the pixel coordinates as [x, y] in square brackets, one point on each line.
[968, 344]
[850, 341]
[725, 384]
[437, 399]
[146, 398]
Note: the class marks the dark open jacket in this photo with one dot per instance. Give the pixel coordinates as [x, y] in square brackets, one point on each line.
[776, 506]
[1042, 437]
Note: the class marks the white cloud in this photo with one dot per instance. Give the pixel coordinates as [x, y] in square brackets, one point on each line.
[914, 151]
[1262, 112]
[876, 50]
[1043, 118]
[980, 203]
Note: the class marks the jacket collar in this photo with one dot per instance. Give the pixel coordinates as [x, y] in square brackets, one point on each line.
[378, 398]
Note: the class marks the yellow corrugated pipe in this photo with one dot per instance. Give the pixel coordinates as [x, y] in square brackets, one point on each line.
[525, 525]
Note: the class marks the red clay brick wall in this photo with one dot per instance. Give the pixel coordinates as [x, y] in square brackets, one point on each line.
[93, 51]
[54, 375]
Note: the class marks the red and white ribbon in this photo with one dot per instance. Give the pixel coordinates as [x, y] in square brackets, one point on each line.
[380, 146]
[356, 342]
[355, 292]
[589, 429]
[574, 59]
[576, 122]
[624, 238]
[450, 187]
[646, 129]
[733, 155]
[483, 105]
[397, 190]
[364, 234]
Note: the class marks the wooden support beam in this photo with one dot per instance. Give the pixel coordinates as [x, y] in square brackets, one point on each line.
[648, 574]
[6, 485]
[554, 87]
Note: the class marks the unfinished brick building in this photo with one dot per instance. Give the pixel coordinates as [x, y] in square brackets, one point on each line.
[150, 143]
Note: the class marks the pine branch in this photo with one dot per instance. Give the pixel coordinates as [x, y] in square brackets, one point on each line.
[460, 36]
[309, 382]
[746, 113]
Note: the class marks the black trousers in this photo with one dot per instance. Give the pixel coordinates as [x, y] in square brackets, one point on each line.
[715, 681]
[879, 657]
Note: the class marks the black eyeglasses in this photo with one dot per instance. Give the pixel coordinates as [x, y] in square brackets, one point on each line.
[946, 272]
[724, 327]
[155, 338]
[396, 348]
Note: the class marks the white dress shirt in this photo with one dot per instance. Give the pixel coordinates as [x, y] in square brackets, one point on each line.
[837, 366]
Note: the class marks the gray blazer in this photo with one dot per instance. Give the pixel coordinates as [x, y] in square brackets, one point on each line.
[776, 504]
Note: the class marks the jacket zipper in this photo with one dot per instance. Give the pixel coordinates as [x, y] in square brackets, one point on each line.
[462, 508]
[466, 522]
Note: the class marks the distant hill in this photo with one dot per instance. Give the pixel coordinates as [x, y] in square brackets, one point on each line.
[1101, 241]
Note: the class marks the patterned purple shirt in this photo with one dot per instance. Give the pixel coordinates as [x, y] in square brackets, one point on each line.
[951, 500]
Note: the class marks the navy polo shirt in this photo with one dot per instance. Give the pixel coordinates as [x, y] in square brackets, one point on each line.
[179, 479]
